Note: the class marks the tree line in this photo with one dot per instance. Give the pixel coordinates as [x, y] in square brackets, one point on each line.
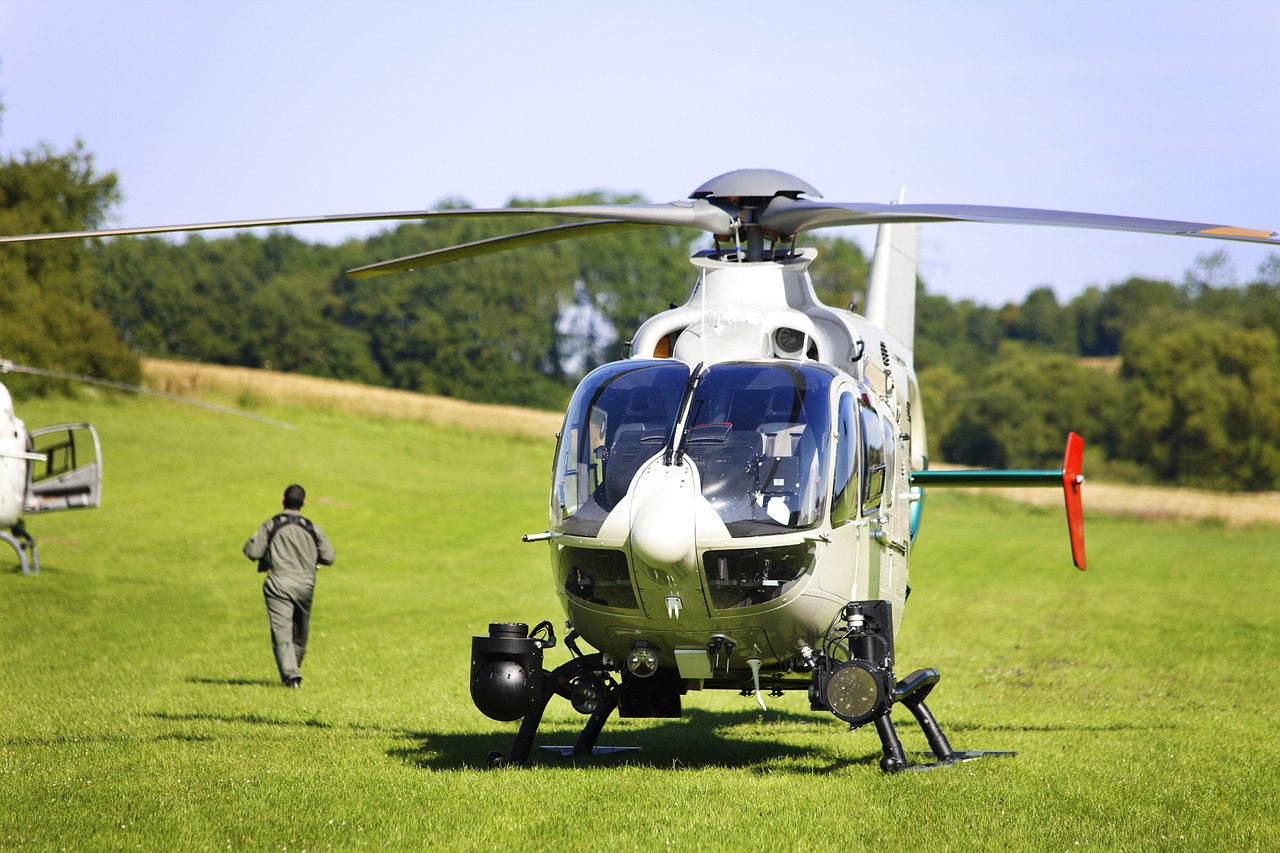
[1172, 383]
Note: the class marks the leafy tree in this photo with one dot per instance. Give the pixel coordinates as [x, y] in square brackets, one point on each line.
[1259, 305]
[1133, 303]
[962, 334]
[1086, 311]
[45, 316]
[43, 191]
[258, 302]
[1018, 410]
[1212, 271]
[1205, 401]
[840, 273]
[482, 329]
[1042, 321]
[944, 393]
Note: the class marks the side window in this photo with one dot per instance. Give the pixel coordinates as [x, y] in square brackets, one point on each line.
[890, 455]
[874, 461]
[844, 485]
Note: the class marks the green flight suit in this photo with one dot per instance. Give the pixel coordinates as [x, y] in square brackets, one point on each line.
[290, 585]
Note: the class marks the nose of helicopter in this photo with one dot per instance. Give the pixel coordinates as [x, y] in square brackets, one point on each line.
[662, 518]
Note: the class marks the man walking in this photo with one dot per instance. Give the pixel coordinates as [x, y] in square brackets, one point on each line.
[288, 548]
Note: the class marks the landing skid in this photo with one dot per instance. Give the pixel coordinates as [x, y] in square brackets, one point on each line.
[21, 541]
[595, 750]
[911, 692]
[958, 757]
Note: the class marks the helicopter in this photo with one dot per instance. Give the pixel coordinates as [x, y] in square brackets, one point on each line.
[46, 469]
[733, 504]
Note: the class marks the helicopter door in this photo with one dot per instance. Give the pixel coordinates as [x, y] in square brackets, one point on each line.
[70, 474]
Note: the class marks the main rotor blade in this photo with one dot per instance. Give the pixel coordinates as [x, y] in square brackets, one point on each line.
[789, 216]
[689, 214]
[7, 366]
[492, 245]
[278, 222]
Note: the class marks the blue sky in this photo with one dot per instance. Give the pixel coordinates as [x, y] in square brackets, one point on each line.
[227, 109]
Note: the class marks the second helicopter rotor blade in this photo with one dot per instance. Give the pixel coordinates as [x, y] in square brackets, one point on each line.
[278, 222]
[7, 366]
[494, 244]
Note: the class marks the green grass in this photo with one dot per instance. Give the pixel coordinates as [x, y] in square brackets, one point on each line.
[139, 704]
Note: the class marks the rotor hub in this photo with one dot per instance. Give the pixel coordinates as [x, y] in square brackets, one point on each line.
[761, 184]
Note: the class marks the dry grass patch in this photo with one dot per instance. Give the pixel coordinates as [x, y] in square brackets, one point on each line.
[1109, 364]
[248, 387]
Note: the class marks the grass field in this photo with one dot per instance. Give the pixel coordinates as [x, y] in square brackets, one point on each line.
[140, 707]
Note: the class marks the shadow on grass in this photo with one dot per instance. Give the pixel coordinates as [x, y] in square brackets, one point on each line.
[250, 719]
[700, 739]
[1043, 728]
[235, 682]
[738, 739]
[15, 568]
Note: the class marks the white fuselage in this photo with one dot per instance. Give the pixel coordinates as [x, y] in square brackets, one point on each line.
[742, 476]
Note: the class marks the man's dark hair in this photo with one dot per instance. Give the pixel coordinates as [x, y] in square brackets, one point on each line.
[294, 497]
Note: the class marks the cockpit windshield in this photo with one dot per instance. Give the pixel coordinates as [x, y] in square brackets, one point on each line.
[759, 435]
[620, 417]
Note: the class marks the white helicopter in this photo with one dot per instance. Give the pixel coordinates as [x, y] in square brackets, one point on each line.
[43, 470]
[733, 505]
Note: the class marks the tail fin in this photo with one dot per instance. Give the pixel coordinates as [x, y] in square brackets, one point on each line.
[891, 287]
[1072, 480]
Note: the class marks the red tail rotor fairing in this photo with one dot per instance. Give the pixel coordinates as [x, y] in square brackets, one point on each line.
[1072, 484]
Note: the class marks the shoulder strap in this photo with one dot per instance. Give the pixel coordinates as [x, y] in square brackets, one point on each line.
[284, 518]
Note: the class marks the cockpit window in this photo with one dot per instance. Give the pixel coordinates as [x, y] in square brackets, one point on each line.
[620, 417]
[844, 491]
[759, 435]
